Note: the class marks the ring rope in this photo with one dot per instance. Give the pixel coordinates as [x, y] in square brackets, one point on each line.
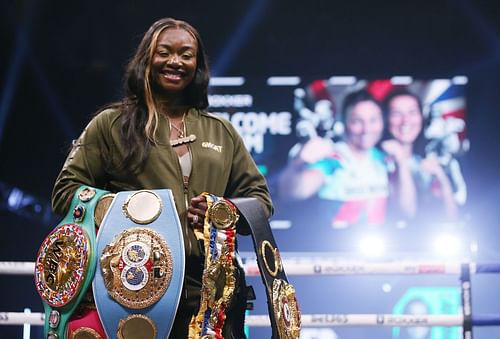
[323, 267]
[329, 266]
[318, 320]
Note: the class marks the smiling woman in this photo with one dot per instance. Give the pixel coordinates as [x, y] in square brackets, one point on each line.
[417, 180]
[156, 137]
[350, 174]
[174, 62]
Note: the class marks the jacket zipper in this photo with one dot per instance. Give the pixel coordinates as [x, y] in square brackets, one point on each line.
[185, 189]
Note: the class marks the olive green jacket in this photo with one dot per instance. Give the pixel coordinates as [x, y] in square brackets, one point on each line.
[221, 165]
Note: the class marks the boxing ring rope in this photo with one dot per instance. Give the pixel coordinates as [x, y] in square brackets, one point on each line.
[330, 266]
[323, 267]
[316, 320]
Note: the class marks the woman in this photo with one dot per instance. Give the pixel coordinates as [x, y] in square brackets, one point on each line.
[416, 178]
[351, 174]
[159, 136]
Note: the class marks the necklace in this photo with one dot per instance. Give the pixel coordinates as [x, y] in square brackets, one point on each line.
[178, 129]
[181, 132]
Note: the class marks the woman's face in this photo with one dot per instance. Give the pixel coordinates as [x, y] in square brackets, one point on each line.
[405, 119]
[173, 66]
[364, 125]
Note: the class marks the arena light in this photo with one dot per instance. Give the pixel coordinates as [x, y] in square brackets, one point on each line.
[227, 81]
[447, 245]
[372, 245]
[460, 80]
[283, 81]
[342, 80]
[401, 80]
[474, 247]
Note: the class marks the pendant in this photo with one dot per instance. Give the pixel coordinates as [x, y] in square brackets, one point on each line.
[181, 141]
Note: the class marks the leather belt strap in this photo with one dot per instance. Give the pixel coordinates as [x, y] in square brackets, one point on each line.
[281, 301]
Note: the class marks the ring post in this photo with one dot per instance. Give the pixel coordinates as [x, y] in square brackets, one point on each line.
[465, 284]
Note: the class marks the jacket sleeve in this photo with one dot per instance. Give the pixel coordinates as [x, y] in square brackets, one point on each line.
[245, 180]
[84, 164]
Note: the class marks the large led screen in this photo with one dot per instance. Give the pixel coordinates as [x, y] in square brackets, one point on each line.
[344, 156]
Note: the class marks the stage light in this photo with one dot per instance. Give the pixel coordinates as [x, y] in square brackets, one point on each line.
[387, 287]
[283, 81]
[474, 247]
[227, 81]
[372, 245]
[447, 245]
[401, 80]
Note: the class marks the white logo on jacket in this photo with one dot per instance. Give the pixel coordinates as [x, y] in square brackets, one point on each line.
[207, 144]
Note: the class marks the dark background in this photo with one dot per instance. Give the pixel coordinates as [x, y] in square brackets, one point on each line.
[60, 61]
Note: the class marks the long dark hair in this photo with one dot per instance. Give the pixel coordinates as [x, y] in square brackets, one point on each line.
[140, 116]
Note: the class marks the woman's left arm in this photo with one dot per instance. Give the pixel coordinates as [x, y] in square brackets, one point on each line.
[245, 180]
[431, 165]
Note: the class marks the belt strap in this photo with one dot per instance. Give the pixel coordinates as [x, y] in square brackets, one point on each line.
[281, 300]
[66, 262]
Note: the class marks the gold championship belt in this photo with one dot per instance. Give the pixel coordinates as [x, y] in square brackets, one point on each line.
[66, 262]
[218, 280]
[140, 245]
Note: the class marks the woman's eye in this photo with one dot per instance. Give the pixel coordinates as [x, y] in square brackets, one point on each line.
[162, 53]
[187, 56]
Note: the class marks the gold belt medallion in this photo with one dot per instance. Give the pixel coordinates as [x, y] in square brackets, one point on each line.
[286, 309]
[143, 207]
[102, 207]
[136, 326]
[85, 333]
[222, 214]
[61, 264]
[137, 267]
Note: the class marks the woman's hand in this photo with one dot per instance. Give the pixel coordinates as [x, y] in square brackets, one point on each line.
[196, 212]
[394, 149]
[432, 166]
[316, 149]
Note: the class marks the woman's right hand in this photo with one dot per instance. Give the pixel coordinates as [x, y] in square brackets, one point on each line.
[430, 164]
[197, 210]
[394, 149]
[316, 149]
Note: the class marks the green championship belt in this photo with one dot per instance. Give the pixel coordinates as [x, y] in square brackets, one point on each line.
[66, 262]
[283, 307]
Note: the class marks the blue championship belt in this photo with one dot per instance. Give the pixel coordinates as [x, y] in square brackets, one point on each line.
[66, 262]
[140, 254]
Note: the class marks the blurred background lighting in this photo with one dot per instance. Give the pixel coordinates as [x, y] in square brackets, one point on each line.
[447, 245]
[372, 246]
[386, 287]
[474, 247]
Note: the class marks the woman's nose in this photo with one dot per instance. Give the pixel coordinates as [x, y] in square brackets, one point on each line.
[174, 60]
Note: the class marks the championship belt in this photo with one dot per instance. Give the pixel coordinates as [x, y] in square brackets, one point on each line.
[140, 251]
[218, 280]
[66, 262]
[282, 302]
